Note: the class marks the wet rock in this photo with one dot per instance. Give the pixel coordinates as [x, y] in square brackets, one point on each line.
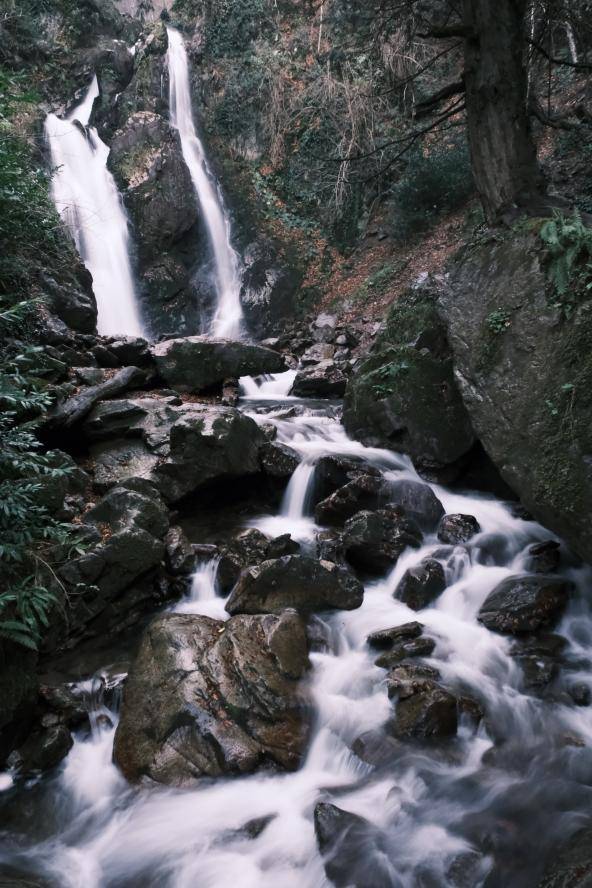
[367, 491]
[580, 693]
[334, 471]
[43, 749]
[130, 350]
[320, 351]
[270, 284]
[421, 585]
[377, 748]
[386, 638]
[330, 547]
[571, 865]
[180, 448]
[179, 553]
[524, 604]
[64, 700]
[322, 380]
[506, 380]
[544, 557]
[418, 501]
[248, 548]
[74, 409]
[198, 363]
[71, 298]
[404, 395]
[205, 697]
[282, 545]
[109, 419]
[279, 460]
[125, 530]
[413, 647]
[373, 541]
[424, 710]
[354, 851]
[456, 529]
[296, 581]
[407, 676]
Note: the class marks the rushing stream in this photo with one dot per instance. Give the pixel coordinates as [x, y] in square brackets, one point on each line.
[90, 829]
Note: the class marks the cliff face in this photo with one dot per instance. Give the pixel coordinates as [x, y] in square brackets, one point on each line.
[524, 370]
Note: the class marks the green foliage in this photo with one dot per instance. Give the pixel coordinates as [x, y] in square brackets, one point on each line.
[435, 183]
[233, 24]
[497, 321]
[388, 375]
[569, 247]
[30, 538]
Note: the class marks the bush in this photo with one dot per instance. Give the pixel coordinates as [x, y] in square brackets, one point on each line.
[437, 180]
[30, 538]
[233, 24]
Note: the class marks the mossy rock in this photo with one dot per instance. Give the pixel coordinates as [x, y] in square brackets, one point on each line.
[404, 396]
[529, 392]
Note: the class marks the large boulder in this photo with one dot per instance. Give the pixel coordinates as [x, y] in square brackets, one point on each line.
[525, 603]
[354, 851]
[321, 380]
[296, 581]
[373, 541]
[123, 541]
[208, 698]
[179, 447]
[365, 491]
[249, 548]
[197, 363]
[403, 396]
[523, 368]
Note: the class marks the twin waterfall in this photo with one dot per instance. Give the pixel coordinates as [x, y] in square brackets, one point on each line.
[87, 199]
[228, 315]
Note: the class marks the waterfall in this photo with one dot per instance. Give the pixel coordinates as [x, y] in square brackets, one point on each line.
[228, 314]
[87, 199]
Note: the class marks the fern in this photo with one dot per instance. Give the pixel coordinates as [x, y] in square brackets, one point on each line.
[569, 246]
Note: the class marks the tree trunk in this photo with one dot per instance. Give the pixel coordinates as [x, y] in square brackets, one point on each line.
[503, 153]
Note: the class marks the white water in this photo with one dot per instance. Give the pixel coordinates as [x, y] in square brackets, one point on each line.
[227, 319]
[434, 805]
[86, 197]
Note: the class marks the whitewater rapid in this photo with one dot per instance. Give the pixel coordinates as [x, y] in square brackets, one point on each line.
[91, 830]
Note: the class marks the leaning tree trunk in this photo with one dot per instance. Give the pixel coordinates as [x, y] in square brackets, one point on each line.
[503, 153]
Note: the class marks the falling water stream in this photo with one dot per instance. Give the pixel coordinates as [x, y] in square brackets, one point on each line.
[87, 199]
[226, 322]
[499, 794]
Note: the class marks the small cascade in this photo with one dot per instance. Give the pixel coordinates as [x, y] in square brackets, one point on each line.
[227, 319]
[87, 199]
[203, 596]
[272, 387]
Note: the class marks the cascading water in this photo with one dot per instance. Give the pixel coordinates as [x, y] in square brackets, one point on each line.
[86, 197]
[472, 813]
[226, 322]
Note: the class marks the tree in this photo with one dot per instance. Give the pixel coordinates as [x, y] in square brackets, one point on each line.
[499, 52]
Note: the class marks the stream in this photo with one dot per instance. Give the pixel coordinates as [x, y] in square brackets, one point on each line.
[471, 812]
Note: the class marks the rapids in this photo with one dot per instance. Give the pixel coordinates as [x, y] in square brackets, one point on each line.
[458, 815]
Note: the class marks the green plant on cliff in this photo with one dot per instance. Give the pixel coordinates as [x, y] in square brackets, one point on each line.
[30, 538]
[569, 246]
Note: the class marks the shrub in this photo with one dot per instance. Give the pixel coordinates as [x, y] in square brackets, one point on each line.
[569, 246]
[436, 181]
[30, 538]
